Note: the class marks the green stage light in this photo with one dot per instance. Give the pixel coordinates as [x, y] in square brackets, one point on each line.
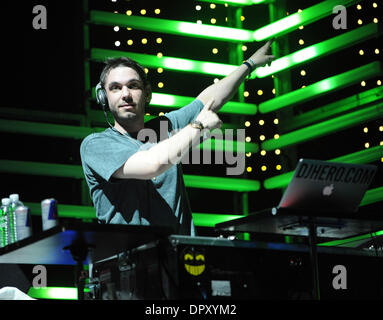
[161, 99]
[210, 220]
[293, 21]
[229, 146]
[322, 87]
[322, 49]
[350, 242]
[42, 169]
[176, 101]
[334, 108]
[372, 196]
[178, 64]
[76, 172]
[214, 32]
[365, 156]
[325, 127]
[44, 129]
[305, 54]
[171, 63]
[216, 68]
[235, 107]
[221, 183]
[181, 28]
[279, 181]
[278, 28]
[60, 293]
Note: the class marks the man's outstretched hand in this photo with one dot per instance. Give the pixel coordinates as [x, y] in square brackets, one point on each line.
[261, 56]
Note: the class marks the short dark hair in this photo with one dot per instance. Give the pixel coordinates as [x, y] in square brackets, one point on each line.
[112, 63]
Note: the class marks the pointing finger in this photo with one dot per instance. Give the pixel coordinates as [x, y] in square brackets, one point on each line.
[267, 45]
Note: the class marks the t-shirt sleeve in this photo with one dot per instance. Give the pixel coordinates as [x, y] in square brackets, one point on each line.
[182, 117]
[102, 156]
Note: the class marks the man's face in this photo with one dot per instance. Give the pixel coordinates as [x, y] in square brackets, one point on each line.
[126, 95]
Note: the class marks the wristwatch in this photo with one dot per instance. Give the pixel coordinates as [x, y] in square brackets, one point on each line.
[197, 124]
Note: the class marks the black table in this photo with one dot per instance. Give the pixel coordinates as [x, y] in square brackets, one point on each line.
[73, 242]
[331, 225]
[306, 223]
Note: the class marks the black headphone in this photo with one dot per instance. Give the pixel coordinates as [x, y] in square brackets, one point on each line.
[101, 96]
[103, 100]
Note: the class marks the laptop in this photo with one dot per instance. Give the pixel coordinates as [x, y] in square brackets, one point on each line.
[327, 187]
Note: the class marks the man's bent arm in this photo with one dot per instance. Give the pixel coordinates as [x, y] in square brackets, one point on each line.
[150, 163]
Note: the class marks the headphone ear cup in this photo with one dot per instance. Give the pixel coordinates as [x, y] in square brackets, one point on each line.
[101, 96]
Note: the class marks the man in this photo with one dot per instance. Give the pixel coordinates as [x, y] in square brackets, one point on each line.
[138, 182]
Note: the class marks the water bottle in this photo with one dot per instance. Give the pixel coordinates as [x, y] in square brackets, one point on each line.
[3, 228]
[21, 218]
[15, 202]
[5, 203]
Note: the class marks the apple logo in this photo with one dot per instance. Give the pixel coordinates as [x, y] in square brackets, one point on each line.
[327, 190]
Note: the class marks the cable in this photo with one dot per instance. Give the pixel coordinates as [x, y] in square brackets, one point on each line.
[106, 117]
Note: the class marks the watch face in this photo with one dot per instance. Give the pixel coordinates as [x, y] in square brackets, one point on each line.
[197, 124]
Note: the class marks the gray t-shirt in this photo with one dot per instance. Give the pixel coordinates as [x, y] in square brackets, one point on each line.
[160, 201]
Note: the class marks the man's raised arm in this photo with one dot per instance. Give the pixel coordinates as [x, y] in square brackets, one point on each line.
[224, 90]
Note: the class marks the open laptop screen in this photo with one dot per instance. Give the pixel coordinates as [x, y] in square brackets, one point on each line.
[324, 186]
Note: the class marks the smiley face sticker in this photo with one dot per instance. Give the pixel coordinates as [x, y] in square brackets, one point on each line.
[194, 261]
